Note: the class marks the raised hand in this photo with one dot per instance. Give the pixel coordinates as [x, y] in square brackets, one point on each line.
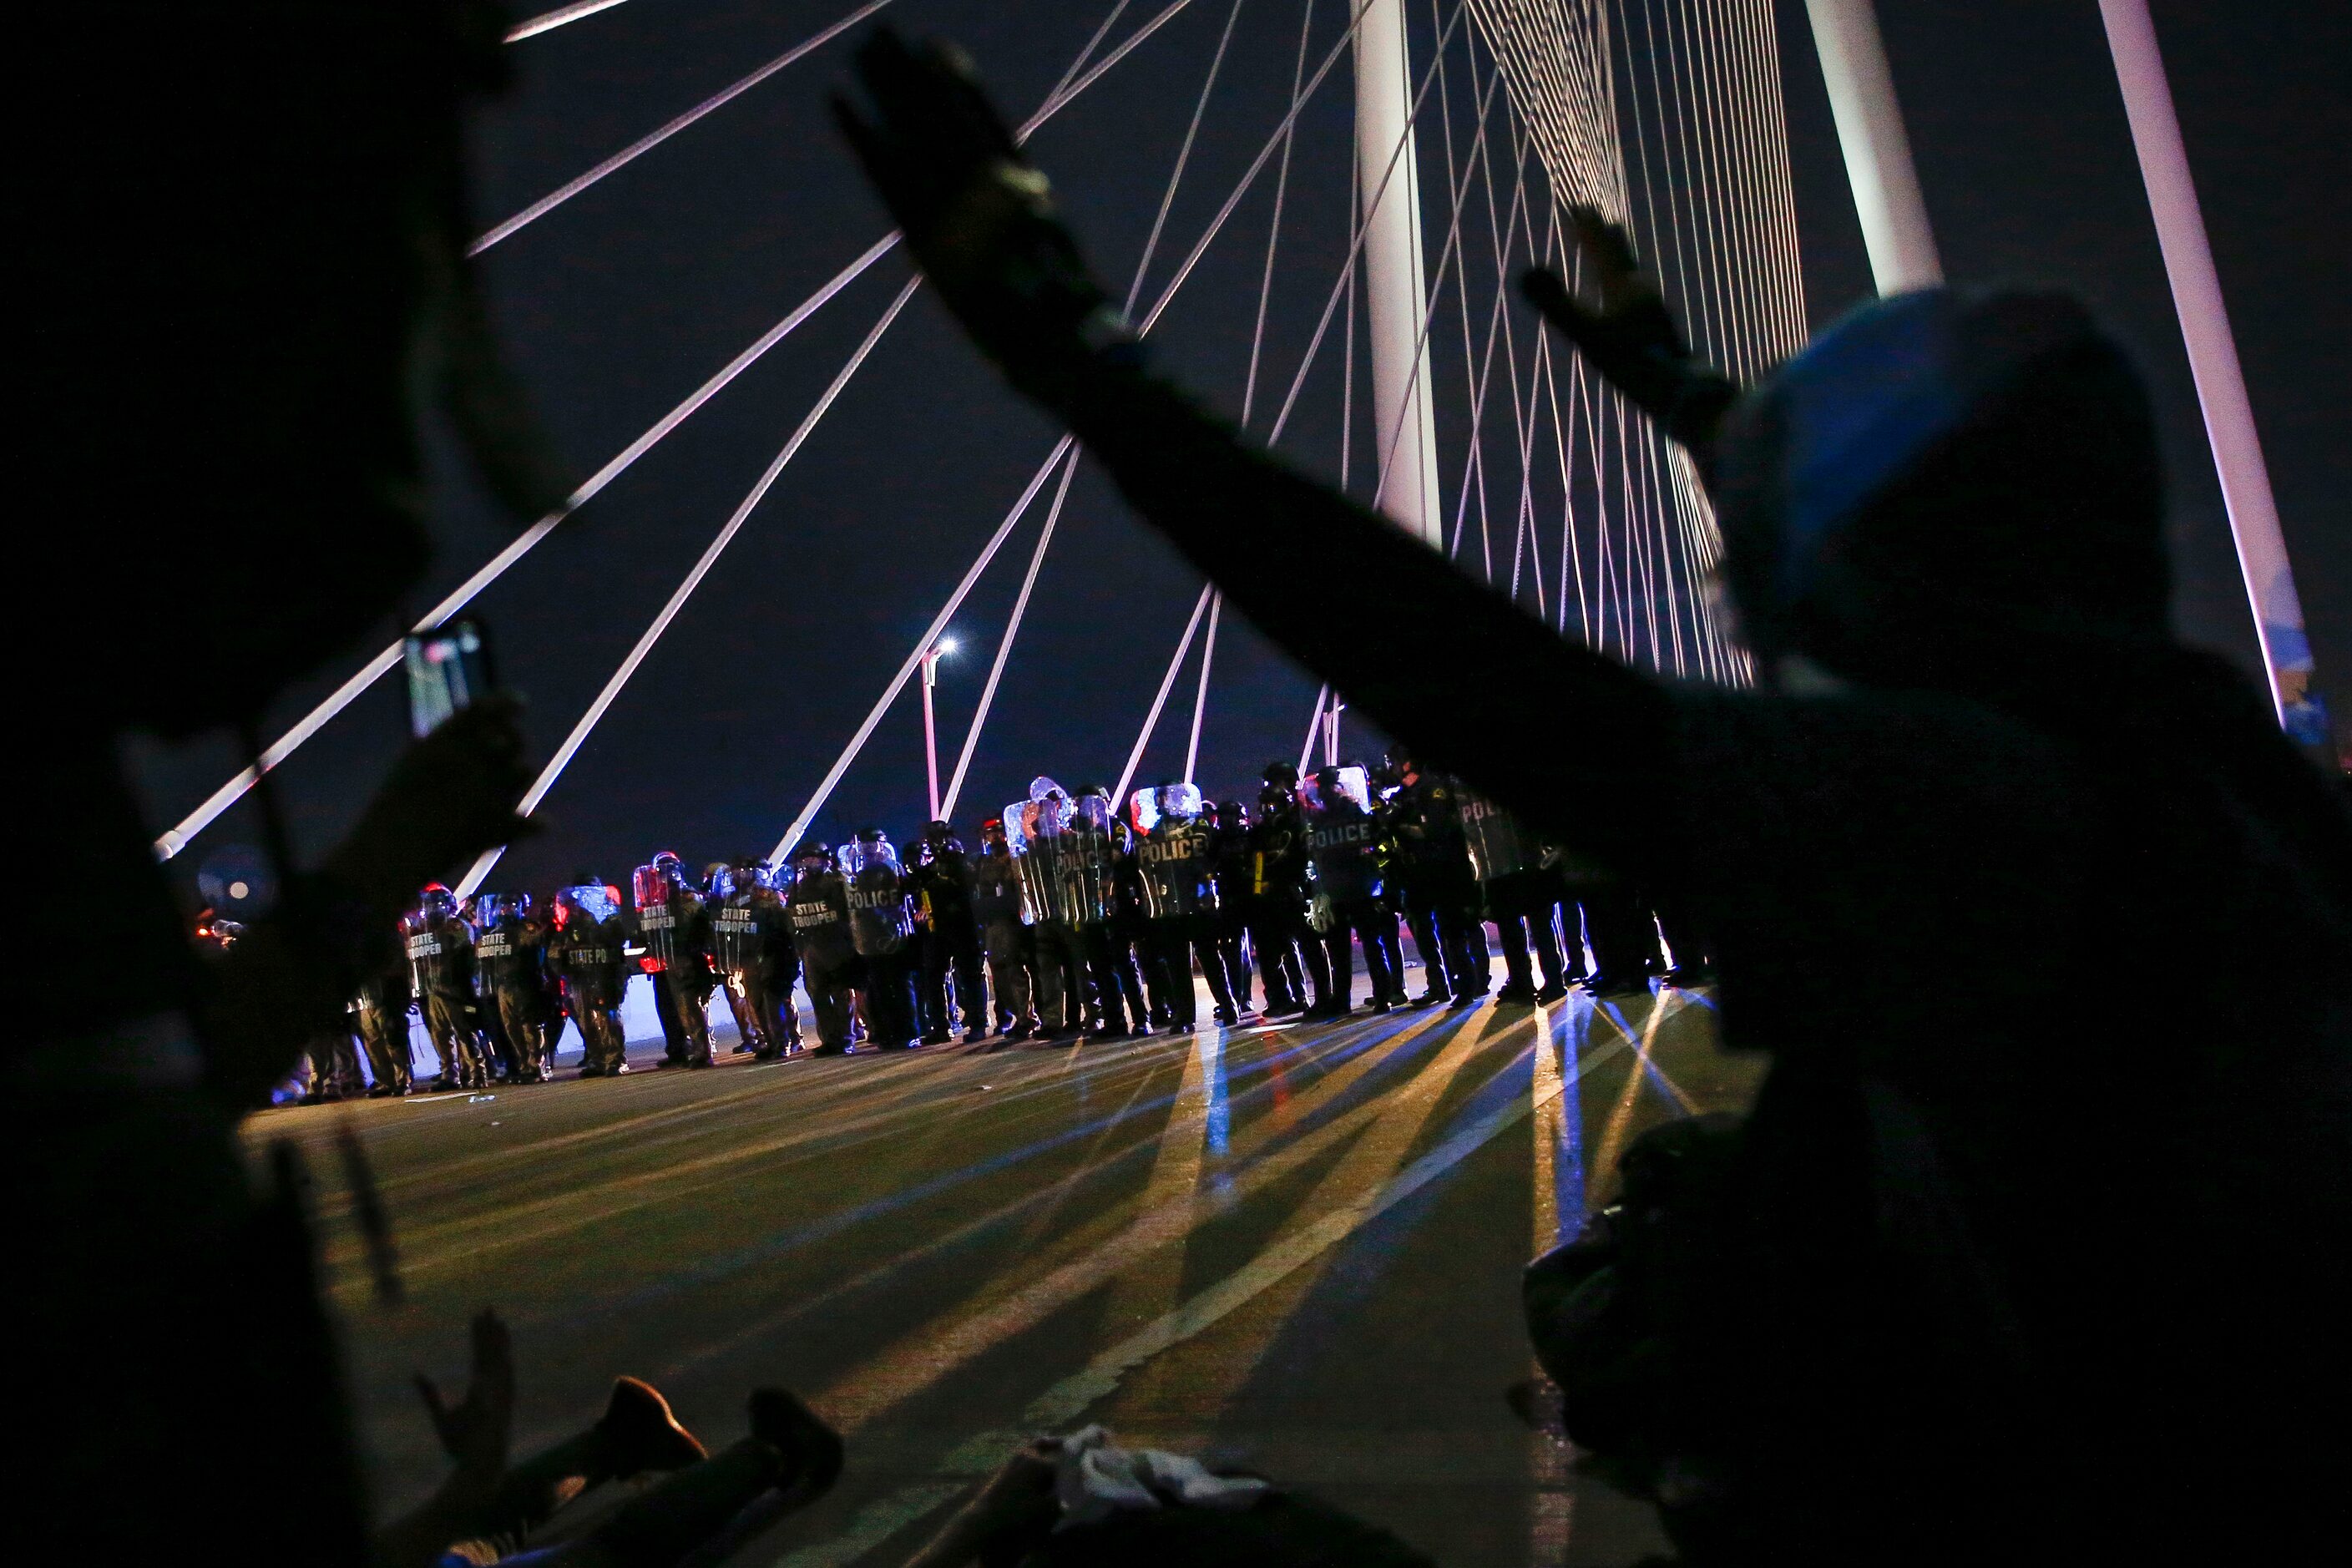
[978, 215]
[474, 1430]
[1629, 334]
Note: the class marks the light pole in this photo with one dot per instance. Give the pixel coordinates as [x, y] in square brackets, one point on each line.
[931, 656]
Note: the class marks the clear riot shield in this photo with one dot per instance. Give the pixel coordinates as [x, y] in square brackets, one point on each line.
[1498, 846]
[431, 964]
[1172, 849]
[819, 913]
[1085, 862]
[1032, 830]
[734, 921]
[656, 901]
[496, 916]
[880, 921]
[1339, 835]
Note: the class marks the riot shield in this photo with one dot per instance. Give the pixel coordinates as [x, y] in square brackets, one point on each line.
[734, 923]
[880, 921]
[656, 901]
[1497, 848]
[1088, 894]
[433, 960]
[818, 908]
[496, 918]
[1032, 832]
[1341, 835]
[1172, 850]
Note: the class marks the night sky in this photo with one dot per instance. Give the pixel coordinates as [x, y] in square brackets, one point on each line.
[618, 304]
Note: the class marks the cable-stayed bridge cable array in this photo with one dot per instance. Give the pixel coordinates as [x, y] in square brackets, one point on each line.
[1664, 114]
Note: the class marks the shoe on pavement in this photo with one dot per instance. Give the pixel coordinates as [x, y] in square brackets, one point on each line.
[1516, 993]
[644, 1433]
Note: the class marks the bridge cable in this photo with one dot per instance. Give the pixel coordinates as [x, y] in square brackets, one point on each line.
[178, 837]
[693, 580]
[548, 21]
[655, 138]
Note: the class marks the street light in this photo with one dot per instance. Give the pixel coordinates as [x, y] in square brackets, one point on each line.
[931, 656]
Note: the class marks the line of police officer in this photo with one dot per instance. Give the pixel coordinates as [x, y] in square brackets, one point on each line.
[1074, 918]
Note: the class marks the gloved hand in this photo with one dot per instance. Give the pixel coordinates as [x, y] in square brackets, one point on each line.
[978, 216]
[1632, 339]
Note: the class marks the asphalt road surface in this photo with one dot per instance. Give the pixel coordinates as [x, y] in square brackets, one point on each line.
[1293, 1248]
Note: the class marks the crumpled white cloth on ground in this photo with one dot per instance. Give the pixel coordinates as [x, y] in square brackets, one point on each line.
[1096, 1478]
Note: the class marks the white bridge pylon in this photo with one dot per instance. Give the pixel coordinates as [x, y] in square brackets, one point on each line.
[1396, 292]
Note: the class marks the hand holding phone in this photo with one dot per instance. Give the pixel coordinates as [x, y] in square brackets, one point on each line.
[448, 671]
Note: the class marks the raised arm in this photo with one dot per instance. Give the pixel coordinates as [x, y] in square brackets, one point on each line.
[1576, 743]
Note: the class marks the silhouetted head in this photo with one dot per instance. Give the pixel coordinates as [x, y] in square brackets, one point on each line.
[1935, 470]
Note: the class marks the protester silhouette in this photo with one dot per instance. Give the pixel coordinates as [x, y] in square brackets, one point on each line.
[2037, 1238]
[252, 292]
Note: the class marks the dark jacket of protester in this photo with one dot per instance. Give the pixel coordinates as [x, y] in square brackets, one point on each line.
[2040, 1242]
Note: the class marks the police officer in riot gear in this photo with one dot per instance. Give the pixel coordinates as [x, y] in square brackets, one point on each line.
[818, 905]
[1117, 981]
[1175, 853]
[1006, 921]
[441, 960]
[1519, 894]
[1438, 890]
[586, 952]
[752, 949]
[1341, 841]
[1231, 873]
[1063, 848]
[1290, 954]
[676, 930]
[943, 880]
[882, 927]
[499, 1055]
[509, 947]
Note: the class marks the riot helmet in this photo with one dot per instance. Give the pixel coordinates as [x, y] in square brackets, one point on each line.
[1279, 775]
[1328, 787]
[591, 899]
[491, 909]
